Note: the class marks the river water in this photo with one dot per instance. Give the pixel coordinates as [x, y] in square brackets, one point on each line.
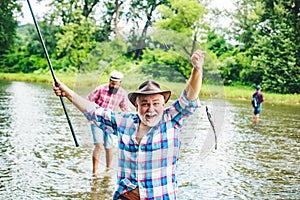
[39, 159]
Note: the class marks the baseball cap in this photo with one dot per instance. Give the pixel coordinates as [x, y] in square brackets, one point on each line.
[258, 87]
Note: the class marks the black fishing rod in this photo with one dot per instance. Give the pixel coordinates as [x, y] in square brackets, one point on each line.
[52, 72]
[210, 119]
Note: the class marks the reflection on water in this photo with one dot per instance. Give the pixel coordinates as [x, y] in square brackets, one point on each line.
[100, 188]
[40, 161]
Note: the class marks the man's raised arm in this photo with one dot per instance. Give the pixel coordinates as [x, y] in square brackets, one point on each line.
[195, 81]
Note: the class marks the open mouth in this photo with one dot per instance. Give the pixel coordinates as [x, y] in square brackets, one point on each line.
[150, 116]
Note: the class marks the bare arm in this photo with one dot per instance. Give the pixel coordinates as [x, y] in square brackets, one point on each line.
[195, 81]
[81, 103]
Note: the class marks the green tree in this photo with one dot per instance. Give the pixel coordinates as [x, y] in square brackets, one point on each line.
[183, 24]
[268, 34]
[65, 11]
[109, 11]
[181, 30]
[28, 54]
[110, 20]
[8, 24]
[165, 65]
[76, 41]
[236, 66]
[277, 44]
[218, 44]
[245, 19]
[143, 10]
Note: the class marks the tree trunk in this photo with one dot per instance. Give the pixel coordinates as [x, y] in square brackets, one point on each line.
[116, 18]
[141, 43]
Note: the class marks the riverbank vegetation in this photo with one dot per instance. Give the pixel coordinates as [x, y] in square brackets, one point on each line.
[132, 81]
[156, 39]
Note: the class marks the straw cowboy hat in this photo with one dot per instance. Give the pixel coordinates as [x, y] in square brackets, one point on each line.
[149, 87]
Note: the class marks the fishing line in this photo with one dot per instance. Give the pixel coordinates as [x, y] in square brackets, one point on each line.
[52, 72]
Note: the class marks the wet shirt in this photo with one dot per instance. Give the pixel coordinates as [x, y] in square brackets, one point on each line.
[104, 99]
[150, 165]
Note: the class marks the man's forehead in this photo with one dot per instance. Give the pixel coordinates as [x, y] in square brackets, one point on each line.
[149, 97]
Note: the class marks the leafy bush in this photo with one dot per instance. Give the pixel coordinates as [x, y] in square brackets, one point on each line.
[165, 64]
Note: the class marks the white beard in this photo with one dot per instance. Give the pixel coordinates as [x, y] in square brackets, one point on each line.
[152, 122]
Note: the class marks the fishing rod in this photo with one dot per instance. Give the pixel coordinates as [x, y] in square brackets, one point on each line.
[210, 119]
[52, 72]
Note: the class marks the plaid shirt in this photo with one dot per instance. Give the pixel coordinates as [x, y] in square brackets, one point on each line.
[150, 165]
[111, 101]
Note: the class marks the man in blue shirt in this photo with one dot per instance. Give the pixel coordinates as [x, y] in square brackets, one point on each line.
[148, 140]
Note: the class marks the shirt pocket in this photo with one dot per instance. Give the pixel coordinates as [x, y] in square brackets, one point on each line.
[160, 141]
[127, 144]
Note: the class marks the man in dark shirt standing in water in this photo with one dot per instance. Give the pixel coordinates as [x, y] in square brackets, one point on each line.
[260, 98]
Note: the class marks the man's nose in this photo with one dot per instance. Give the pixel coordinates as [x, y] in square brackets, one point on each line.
[151, 108]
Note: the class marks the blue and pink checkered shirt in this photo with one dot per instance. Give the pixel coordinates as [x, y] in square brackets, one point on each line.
[150, 165]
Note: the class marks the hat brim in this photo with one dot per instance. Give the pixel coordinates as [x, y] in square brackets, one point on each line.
[115, 79]
[133, 95]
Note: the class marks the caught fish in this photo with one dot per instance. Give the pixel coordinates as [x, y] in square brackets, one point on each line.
[210, 119]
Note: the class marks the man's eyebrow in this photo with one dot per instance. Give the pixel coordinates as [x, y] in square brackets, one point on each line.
[158, 99]
[145, 100]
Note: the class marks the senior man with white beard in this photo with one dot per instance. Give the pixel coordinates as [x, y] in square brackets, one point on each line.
[149, 140]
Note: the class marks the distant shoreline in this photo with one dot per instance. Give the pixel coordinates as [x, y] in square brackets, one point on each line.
[213, 91]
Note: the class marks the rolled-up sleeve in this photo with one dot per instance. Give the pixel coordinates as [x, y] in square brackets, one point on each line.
[102, 117]
[181, 109]
[186, 104]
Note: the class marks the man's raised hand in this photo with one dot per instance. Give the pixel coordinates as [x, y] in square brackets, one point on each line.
[198, 59]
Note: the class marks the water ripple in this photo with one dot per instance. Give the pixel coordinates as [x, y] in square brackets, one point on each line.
[40, 161]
